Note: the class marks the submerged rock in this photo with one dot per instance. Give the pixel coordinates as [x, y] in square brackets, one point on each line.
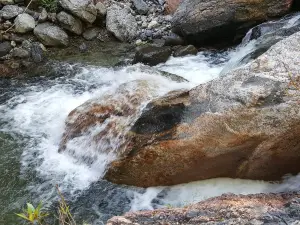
[185, 50]
[205, 22]
[244, 124]
[282, 208]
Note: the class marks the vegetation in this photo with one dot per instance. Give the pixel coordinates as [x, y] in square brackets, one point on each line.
[37, 216]
[49, 5]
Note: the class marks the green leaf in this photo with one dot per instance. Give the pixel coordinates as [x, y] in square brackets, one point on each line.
[30, 208]
[22, 216]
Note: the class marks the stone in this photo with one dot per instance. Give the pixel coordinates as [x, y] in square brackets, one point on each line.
[13, 44]
[43, 16]
[5, 48]
[244, 124]
[69, 22]
[152, 55]
[153, 24]
[84, 9]
[91, 33]
[20, 53]
[10, 11]
[51, 17]
[173, 39]
[101, 10]
[83, 48]
[24, 23]
[7, 2]
[105, 36]
[228, 209]
[121, 23]
[37, 52]
[51, 35]
[185, 50]
[224, 19]
[141, 6]
[171, 6]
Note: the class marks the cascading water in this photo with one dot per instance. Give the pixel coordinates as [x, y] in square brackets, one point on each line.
[32, 123]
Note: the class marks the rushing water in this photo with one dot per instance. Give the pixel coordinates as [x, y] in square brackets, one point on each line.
[32, 120]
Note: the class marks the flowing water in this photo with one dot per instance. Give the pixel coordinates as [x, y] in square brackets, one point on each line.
[32, 122]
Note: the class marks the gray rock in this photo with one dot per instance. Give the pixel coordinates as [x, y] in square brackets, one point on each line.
[51, 17]
[185, 50]
[51, 35]
[84, 9]
[20, 53]
[24, 23]
[91, 33]
[121, 23]
[105, 36]
[152, 55]
[141, 6]
[10, 11]
[5, 48]
[43, 16]
[7, 2]
[69, 22]
[83, 48]
[37, 53]
[101, 10]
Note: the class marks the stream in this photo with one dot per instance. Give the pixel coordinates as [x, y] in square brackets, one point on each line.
[32, 122]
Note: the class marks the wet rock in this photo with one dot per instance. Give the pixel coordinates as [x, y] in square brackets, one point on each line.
[121, 23]
[152, 55]
[185, 50]
[111, 113]
[224, 19]
[84, 9]
[101, 10]
[173, 39]
[5, 48]
[83, 48]
[37, 53]
[141, 6]
[24, 23]
[20, 53]
[227, 209]
[10, 11]
[91, 33]
[244, 124]
[105, 36]
[69, 22]
[51, 35]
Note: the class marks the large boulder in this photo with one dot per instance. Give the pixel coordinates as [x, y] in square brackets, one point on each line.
[227, 209]
[69, 22]
[10, 11]
[84, 9]
[51, 35]
[24, 23]
[121, 23]
[109, 116]
[206, 21]
[245, 124]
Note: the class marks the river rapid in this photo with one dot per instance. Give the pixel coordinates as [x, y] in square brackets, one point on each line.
[32, 121]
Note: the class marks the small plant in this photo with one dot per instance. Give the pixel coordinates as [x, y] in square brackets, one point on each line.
[49, 5]
[33, 215]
